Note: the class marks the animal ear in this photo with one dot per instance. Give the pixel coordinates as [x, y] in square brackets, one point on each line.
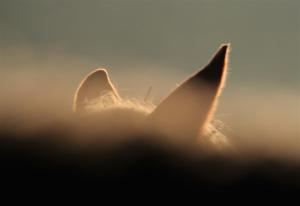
[94, 85]
[187, 110]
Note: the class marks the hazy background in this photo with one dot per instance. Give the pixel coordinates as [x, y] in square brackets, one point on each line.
[47, 46]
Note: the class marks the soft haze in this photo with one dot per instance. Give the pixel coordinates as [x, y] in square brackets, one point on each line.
[47, 46]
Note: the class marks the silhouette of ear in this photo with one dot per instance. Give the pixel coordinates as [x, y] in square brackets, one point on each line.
[94, 85]
[185, 112]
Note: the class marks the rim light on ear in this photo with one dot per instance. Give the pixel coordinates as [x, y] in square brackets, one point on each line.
[187, 110]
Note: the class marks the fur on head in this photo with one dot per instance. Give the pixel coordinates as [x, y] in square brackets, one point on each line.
[184, 114]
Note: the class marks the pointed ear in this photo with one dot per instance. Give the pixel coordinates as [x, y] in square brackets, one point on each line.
[92, 86]
[185, 112]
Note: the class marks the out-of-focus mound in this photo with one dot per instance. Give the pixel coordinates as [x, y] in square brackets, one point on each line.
[130, 115]
[107, 121]
[115, 148]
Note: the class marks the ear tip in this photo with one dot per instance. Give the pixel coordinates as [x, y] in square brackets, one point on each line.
[227, 44]
[100, 72]
[225, 47]
[221, 56]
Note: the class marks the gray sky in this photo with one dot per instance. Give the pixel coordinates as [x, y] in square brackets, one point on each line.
[148, 38]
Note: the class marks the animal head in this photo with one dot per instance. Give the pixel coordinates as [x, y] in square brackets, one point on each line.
[185, 113]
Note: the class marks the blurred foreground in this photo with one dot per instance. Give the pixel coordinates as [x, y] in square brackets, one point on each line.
[55, 148]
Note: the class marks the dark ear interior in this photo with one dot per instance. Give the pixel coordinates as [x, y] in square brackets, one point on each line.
[92, 86]
[190, 106]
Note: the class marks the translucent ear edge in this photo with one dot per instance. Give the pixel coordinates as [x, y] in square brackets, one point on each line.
[76, 108]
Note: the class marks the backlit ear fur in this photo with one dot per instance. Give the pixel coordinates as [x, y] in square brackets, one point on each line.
[187, 110]
[95, 84]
